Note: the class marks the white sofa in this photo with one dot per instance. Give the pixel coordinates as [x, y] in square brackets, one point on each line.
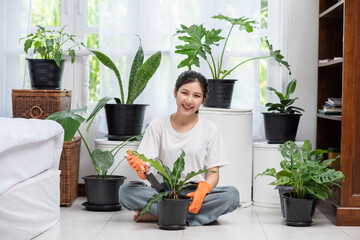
[30, 151]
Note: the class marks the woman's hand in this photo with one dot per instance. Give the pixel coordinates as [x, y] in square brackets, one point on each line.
[137, 164]
[203, 188]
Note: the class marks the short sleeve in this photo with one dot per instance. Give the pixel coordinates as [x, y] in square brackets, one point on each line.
[216, 153]
[150, 144]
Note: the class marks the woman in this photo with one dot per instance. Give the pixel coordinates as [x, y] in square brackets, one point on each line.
[201, 141]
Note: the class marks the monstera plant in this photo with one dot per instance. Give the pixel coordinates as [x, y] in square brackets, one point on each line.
[199, 42]
[125, 119]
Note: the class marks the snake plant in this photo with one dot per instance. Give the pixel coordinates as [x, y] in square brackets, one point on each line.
[140, 74]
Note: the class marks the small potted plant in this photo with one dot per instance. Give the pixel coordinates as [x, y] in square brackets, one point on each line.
[310, 177]
[52, 45]
[281, 120]
[124, 118]
[172, 205]
[199, 42]
[101, 189]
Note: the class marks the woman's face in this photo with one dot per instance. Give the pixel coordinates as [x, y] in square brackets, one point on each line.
[189, 98]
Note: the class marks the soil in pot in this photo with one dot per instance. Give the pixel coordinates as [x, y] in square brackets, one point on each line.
[299, 212]
[103, 193]
[172, 213]
[45, 74]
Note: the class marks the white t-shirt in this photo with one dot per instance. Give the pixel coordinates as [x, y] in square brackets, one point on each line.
[203, 146]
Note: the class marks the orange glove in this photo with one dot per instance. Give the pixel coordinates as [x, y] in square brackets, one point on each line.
[137, 164]
[198, 196]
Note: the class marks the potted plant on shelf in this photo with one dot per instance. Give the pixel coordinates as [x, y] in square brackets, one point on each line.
[124, 118]
[281, 120]
[199, 41]
[52, 45]
[101, 189]
[310, 177]
[172, 204]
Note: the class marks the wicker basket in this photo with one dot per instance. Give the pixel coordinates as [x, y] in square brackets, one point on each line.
[69, 166]
[39, 104]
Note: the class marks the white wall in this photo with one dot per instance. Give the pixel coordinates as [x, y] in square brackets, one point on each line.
[303, 55]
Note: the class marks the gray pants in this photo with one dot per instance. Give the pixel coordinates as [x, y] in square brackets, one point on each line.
[220, 200]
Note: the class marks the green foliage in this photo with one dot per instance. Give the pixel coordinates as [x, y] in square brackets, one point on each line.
[102, 160]
[285, 102]
[305, 175]
[140, 73]
[50, 44]
[199, 41]
[69, 121]
[171, 179]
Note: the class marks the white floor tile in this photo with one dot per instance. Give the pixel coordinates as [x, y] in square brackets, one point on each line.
[252, 223]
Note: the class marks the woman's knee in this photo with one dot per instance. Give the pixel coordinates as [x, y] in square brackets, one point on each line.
[232, 196]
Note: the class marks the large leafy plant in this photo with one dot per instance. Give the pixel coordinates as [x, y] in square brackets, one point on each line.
[285, 102]
[102, 160]
[51, 44]
[199, 42]
[170, 177]
[140, 74]
[303, 173]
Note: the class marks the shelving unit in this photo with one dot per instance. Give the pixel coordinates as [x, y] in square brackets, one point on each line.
[339, 43]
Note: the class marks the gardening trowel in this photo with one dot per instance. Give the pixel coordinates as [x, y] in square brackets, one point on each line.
[153, 181]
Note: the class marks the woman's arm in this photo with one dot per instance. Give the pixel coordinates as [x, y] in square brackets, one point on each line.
[213, 178]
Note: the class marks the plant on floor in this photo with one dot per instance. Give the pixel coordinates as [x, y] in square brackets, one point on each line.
[199, 41]
[102, 160]
[51, 44]
[285, 102]
[303, 173]
[171, 179]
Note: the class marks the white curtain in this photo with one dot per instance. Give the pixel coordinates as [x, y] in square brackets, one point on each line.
[13, 22]
[156, 21]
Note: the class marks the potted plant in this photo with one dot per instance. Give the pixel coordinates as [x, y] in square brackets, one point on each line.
[172, 204]
[310, 177]
[101, 189]
[199, 41]
[282, 119]
[124, 118]
[52, 45]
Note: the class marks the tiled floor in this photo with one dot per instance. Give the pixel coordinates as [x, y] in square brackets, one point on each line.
[245, 223]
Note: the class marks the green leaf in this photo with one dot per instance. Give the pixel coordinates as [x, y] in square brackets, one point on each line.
[242, 22]
[290, 88]
[277, 56]
[110, 64]
[137, 62]
[69, 121]
[102, 160]
[154, 199]
[102, 102]
[57, 58]
[28, 43]
[191, 175]
[179, 167]
[143, 75]
[72, 55]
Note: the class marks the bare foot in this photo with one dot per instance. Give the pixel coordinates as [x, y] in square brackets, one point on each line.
[148, 217]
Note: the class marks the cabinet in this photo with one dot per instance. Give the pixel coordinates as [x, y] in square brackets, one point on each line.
[339, 44]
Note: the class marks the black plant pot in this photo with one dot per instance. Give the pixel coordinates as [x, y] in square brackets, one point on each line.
[283, 189]
[172, 213]
[220, 93]
[299, 212]
[45, 74]
[124, 120]
[103, 193]
[280, 127]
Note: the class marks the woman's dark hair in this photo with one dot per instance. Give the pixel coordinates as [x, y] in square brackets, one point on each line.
[192, 76]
